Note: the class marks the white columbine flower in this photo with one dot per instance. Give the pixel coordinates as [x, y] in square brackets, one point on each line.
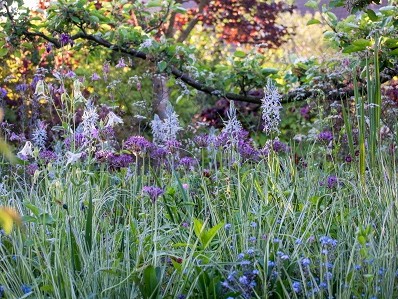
[113, 119]
[271, 104]
[72, 157]
[26, 151]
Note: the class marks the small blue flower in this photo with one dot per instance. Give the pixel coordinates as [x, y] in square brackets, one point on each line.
[243, 280]
[26, 288]
[305, 262]
[323, 285]
[299, 242]
[250, 251]
[357, 267]
[271, 263]
[253, 224]
[296, 287]
[227, 226]
[1, 291]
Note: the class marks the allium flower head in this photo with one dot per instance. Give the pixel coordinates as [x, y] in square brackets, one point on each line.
[325, 136]
[271, 104]
[138, 144]
[167, 129]
[153, 192]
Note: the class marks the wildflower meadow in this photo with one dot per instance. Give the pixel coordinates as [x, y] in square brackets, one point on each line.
[203, 149]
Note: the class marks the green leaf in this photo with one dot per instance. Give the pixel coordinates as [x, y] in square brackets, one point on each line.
[391, 43]
[388, 10]
[6, 150]
[312, 4]
[269, 71]
[313, 21]
[162, 65]
[394, 52]
[362, 43]
[362, 240]
[3, 52]
[75, 19]
[372, 15]
[198, 227]
[210, 234]
[35, 210]
[154, 3]
[352, 48]
[240, 54]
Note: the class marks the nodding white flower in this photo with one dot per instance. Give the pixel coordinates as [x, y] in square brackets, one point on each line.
[271, 104]
[113, 119]
[72, 157]
[167, 129]
[39, 91]
[26, 151]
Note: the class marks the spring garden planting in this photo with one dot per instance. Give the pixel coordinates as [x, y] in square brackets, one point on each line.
[157, 150]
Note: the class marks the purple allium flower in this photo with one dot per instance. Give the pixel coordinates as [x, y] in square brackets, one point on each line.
[325, 136]
[26, 288]
[120, 161]
[188, 163]
[153, 192]
[138, 144]
[102, 155]
[95, 77]
[332, 182]
[296, 286]
[279, 146]
[173, 145]
[247, 151]
[48, 156]
[158, 153]
[202, 141]
[348, 159]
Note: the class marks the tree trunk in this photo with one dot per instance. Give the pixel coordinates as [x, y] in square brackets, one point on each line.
[160, 95]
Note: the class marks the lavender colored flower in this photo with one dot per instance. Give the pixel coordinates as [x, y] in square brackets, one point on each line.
[3, 93]
[31, 168]
[21, 88]
[305, 112]
[244, 280]
[89, 119]
[120, 161]
[153, 192]
[48, 156]
[202, 141]
[102, 155]
[327, 241]
[79, 139]
[158, 153]
[279, 146]
[325, 136]
[332, 182]
[65, 39]
[247, 151]
[138, 144]
[229, 136]
[95, 77]
[271, 264]
[188, 163]
[121, 63]
[271, 105]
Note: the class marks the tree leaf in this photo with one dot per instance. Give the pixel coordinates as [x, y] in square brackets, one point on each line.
[372, 15]
[240, 54]
[3, 52]
[313, 21]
